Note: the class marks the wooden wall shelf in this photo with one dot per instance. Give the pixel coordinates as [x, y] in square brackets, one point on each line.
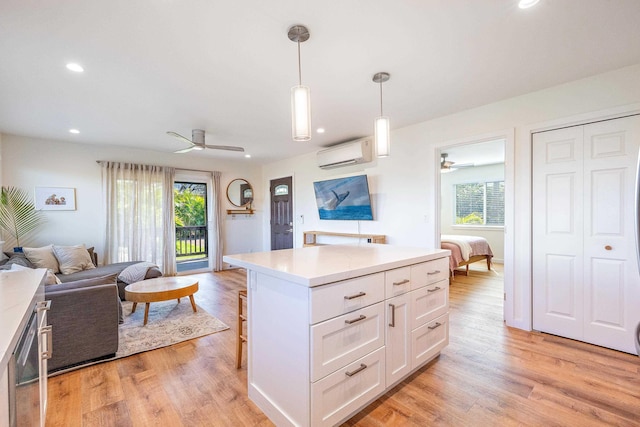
[310, 237]
[240, 211]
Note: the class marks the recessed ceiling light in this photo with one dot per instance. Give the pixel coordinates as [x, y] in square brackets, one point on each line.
[525, 4]
[248, 156]
[320, 130]
[75, 67]
[75, 131]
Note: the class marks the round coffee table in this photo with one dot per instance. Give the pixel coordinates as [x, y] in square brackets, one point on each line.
[161, 289]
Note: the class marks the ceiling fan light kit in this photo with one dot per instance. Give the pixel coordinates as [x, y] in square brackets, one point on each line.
[300, 95]
[445, 165]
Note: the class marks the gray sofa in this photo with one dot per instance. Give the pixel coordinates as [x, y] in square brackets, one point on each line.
[84, 316]
[85, 311]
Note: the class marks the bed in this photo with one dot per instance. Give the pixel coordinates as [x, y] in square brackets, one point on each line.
[466, 250]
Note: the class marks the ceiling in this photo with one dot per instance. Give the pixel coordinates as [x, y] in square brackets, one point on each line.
[476, 154]
[227, 66]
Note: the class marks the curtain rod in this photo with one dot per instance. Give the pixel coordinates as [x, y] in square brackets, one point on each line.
[179, 169]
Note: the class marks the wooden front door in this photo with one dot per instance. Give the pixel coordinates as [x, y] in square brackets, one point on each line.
[281, 213]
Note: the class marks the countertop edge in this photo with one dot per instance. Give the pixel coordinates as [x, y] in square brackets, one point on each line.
[317, 280]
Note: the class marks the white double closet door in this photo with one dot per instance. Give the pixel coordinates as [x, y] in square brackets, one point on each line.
[586, 284]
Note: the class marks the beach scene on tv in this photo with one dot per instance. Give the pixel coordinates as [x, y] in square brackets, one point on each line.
[344, 198]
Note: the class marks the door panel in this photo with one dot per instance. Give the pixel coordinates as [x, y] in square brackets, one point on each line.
[607, 202]
[281, 213]
[558, 232]
[612, 283]
[607, 278]
[561, 287]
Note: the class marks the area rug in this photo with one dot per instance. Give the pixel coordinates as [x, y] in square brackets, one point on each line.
[169, 323]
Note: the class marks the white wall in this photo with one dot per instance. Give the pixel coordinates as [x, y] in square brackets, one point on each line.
[494, 235]
[30, 162]
[404, 184]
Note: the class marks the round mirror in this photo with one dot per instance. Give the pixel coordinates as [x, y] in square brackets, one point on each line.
[240, 192]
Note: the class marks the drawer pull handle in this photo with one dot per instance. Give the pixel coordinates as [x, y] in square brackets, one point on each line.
[402, 282]
[430, 273]
[358, 295]
[361, 368]
[437, 325]
[393, 315]
[47, 331]
[362, 317]
[437, 288]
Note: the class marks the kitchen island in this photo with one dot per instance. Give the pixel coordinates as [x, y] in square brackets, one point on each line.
[331, 328]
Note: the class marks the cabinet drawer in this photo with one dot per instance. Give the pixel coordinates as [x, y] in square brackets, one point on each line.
[340, 394]
[429, 302]
[397, 281]
[429, 272]
[429, 339]
[338, 298]
[341, 340]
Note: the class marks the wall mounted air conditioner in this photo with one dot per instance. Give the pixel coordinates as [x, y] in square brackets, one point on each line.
[346, 154]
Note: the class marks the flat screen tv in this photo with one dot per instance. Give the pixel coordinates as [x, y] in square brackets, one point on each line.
[344, 198]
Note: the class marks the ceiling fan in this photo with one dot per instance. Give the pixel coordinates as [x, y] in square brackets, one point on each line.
[448, 166]
[197, 142]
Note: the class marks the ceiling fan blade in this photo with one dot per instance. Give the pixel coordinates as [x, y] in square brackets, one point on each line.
[177, 135]
[463, 165]
[185, 150]
[224, 147]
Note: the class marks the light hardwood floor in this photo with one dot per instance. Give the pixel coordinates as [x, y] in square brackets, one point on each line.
[489, 375]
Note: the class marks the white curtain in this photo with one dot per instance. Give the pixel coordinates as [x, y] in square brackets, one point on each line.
[217, 222]
[140, 222]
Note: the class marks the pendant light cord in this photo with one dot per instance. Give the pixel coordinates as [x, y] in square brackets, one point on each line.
[299, 66]
[381, 100]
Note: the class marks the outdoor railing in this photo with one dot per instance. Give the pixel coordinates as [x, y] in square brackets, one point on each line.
[191, 241]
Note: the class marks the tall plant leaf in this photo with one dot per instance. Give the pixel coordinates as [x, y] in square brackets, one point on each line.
[18, 215]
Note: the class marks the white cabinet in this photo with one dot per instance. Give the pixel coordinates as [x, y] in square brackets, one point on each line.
[343, 339]
[417, 322]
[398, 338]
[324, 345]
[348, 389]
[428, 340]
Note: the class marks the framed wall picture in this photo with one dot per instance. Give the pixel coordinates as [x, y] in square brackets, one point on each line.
[55, 199]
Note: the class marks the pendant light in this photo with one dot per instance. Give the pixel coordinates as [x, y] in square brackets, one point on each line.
[381, 124]
[300, 96]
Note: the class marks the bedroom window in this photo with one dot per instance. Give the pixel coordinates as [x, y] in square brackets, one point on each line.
[480, 203]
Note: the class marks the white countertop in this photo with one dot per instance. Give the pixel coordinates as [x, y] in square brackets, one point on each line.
[318, 265]
[19, 291]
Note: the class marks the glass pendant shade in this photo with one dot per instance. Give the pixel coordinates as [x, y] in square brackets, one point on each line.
[300, 113]
[381, 128]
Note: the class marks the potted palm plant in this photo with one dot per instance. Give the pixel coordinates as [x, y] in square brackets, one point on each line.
[18, 214]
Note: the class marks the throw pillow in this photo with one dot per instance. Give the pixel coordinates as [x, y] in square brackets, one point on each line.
[42, 257]
[17, 259]
[73, 258]
[49, 279]
[90, 250]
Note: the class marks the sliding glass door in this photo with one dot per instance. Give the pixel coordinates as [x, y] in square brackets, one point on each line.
[192, 209]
